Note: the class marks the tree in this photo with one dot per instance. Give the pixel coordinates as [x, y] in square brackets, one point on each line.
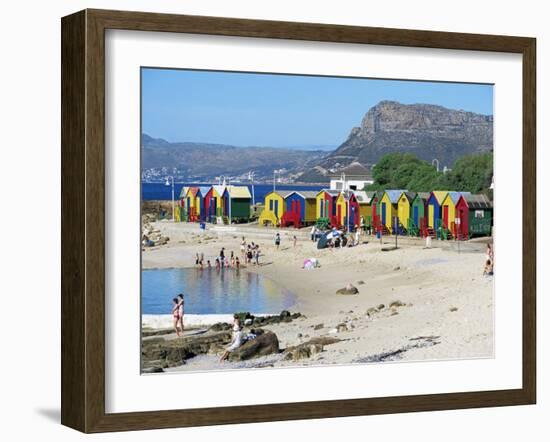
[405, 171]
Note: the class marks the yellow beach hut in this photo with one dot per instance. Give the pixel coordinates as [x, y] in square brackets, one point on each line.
[193, 200]
[404, 208]
[448, 211]
[274, 207]
[341, 208]
[388, 207]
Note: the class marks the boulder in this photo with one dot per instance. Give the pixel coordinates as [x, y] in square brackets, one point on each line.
[264, 344]
[174, 352]
[150, 370]
[308, 349]
[397, 304]
[348, 290]
[318, 326]
[342, 327]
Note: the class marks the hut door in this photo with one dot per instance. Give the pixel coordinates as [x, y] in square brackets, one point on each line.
[431, 215]
[339, 212]
[446, 216]
[298, 208]
[415, 215]
[383, 210]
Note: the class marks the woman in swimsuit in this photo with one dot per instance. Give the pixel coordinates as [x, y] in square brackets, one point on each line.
[176, 315]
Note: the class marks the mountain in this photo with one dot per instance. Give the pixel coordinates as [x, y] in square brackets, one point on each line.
[205, 161]
[426, 130]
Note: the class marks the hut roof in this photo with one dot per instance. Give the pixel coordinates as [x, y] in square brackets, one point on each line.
[478, 201]
[183, 192]
[193, 190]
[409, 195]
[282, 193]
[238, 192]
[394, 195]
[306, 194]
[455, 196]
[362, 196]
[220, 189]
[204, 190]
[440, 195]
[331, 192]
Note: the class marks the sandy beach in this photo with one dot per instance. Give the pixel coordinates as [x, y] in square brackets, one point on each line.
[414, 303]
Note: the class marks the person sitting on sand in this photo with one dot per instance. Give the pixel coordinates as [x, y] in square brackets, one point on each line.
[277, 240]
[176, 315]
[488, 270]
[236, 340]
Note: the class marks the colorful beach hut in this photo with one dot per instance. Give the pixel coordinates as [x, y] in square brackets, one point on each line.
[182, 204]
[326, 206]
[417, 215]
[193, 204]
[364, 199]
[474, 216]
[300, 208]
[213, 203]
[404, 208]
[274, 207]
[203, 190]
[236, 203]
[388, 208]
[448, 211]
[433, 208]
[375, 209]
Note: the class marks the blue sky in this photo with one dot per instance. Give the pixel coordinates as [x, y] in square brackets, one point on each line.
[280, 110]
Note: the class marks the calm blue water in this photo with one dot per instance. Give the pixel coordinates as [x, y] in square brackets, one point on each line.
[212, 292]
[160, 191]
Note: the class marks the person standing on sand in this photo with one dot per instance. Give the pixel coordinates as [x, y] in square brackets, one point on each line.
[222, 256]
[176, 315]
[243, 247]
[236, 340]
[181, 310]
[277, 240]
[313, 232]
[217, 263]
[257, 256]
[294, 239]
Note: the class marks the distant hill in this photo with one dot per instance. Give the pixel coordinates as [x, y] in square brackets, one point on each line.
[204, 161]
[425, 130]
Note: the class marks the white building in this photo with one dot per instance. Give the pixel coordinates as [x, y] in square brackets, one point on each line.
[352, 177]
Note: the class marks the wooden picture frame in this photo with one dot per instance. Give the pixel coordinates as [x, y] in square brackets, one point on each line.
[83, 219]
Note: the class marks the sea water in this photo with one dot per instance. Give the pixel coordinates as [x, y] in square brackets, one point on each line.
[212, 292]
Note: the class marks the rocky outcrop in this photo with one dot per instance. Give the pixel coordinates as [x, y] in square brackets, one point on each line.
[426, 130]
[308, 349]
[348, 290]
[161, 353]
[265, 343]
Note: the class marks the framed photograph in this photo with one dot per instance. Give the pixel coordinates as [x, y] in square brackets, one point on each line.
[267, 221]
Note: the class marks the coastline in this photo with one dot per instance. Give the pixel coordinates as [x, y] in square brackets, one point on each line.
[413, 303]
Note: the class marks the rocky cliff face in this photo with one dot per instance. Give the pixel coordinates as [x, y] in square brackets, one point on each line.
[428, 131]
